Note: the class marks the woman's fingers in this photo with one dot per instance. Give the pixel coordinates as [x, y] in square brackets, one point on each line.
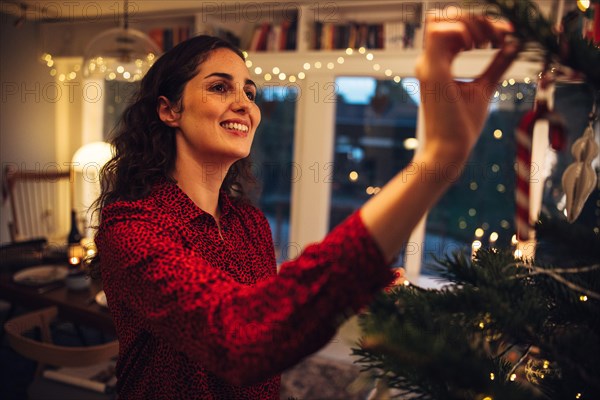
[501, 62]
[480, 31]
[445, 38]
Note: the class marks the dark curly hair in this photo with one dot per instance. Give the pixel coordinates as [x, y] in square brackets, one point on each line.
[144, 146]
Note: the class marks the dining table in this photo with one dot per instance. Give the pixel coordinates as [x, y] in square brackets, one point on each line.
[79, 306]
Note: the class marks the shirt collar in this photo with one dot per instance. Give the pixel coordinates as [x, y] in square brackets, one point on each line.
[170, 197]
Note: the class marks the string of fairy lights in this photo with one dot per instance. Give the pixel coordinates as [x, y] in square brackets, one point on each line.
[273, 74]
[268, 75]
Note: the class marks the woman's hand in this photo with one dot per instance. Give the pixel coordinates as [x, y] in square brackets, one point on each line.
[456, 111]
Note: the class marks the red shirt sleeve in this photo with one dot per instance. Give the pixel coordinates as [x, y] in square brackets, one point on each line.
[241, 333]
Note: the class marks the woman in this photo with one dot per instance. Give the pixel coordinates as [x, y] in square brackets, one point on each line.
[188, 265]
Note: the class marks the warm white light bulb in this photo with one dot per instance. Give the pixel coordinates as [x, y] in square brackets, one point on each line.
[410, 143]
[493, 236]
[583, 5]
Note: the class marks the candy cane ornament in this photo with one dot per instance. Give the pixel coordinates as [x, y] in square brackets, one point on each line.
[524, 136]
[531, 139]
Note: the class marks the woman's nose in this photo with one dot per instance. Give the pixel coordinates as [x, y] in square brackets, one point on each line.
[241, 102]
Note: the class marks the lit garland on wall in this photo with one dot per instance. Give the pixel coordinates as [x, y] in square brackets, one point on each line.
[76, 69]
[330, 65]
[66, 76]
[276, 74]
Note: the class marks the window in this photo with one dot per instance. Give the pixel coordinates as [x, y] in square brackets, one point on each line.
[119, 95]
[375, 138]
[272, 153]
[375, 129]
[480, 205]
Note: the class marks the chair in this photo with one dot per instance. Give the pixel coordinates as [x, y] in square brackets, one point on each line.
[39, 202]
[45, 353]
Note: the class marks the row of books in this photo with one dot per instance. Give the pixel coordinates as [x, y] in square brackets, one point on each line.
[388, 35]
[220, 32]
[274, 37]
[326, 36]
[167, 38]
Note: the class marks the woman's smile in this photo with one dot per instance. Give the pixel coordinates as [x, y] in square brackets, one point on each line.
[237, 127]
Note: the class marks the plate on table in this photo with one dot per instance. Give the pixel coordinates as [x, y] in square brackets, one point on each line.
[101, 299]
[41, 275]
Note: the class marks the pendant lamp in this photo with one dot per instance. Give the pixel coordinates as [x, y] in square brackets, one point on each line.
[121, 54]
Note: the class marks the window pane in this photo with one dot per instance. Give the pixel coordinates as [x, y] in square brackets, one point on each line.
[272, 154]
[118, 96]
[374, 138]
[480, 205]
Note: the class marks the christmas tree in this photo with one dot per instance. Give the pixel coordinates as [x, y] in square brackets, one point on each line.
[504, 327]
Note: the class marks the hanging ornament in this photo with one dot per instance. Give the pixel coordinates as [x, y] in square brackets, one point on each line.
[526, 212]
[579, 179]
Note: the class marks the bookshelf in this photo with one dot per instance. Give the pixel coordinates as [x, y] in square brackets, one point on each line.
[306, 26]
[289, 36]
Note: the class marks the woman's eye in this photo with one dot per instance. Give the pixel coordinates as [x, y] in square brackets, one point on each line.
[251, 95]
[219, 87]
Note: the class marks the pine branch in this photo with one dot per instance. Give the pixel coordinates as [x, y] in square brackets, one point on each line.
[566, 48]
[556, 275]
[496, 319]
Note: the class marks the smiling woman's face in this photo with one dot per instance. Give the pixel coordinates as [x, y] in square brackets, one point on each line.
[219, 117]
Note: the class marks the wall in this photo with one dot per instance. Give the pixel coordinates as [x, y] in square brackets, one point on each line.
[27, 109]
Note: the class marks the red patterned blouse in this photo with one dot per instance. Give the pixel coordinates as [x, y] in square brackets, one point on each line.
[204, 317]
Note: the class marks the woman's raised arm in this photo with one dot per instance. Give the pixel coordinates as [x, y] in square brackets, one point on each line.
[452, 125]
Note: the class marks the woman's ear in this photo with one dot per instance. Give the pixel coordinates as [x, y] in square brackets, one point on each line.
[167, 113]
